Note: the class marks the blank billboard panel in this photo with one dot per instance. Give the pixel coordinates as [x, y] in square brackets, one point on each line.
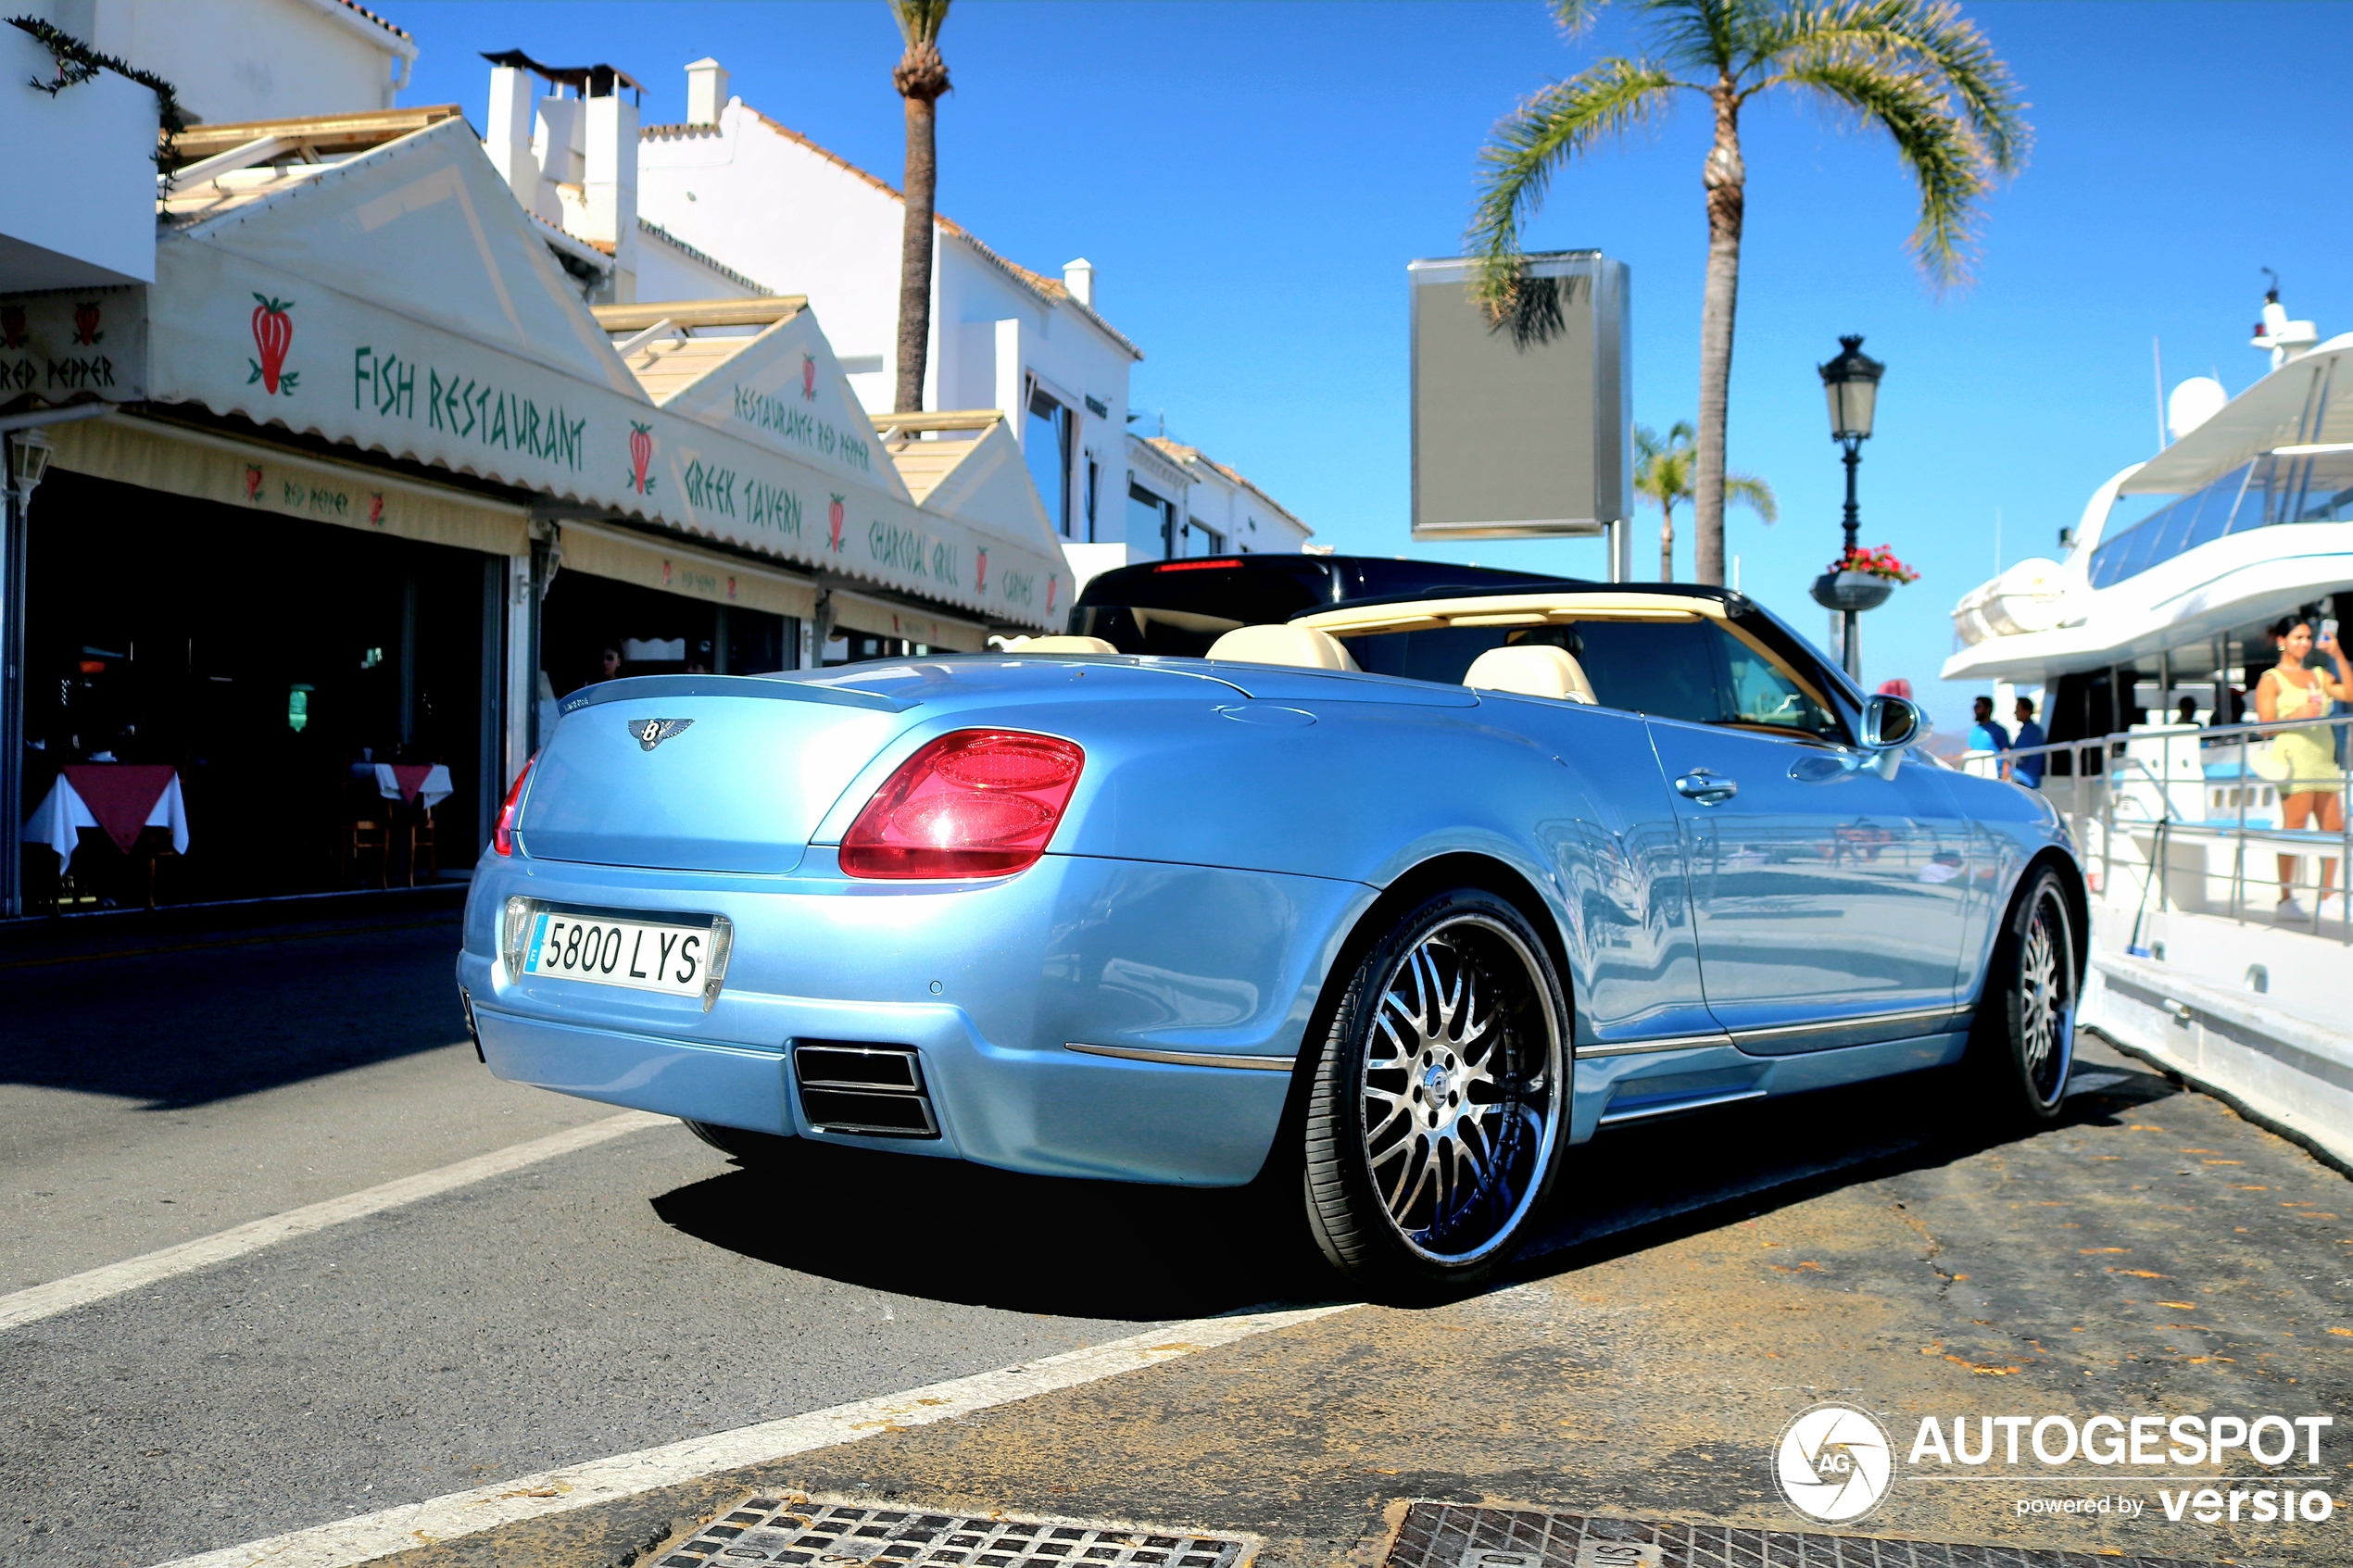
[1522, 435]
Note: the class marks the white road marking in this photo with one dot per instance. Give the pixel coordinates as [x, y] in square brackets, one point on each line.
[371, 1536]
[97, 1284]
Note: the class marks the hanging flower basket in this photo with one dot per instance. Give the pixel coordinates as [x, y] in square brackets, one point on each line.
[1862, 578]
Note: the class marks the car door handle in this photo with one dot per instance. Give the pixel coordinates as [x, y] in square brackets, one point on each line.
[1708, 789]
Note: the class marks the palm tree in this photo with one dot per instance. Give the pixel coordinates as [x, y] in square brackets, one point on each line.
[1914, 69]
[921, 77]
[1663, 475]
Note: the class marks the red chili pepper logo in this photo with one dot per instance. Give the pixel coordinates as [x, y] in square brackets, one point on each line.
[1051, 583]
[641, 454]
[86, 323]
[980, 573]
[253, 482]
[833, 525]
[375, 509]
[273, 336]
[12, 328]
[809, 377]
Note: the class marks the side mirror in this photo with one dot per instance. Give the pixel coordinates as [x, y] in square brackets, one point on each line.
[1890, 724]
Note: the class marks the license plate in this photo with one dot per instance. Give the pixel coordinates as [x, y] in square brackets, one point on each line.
[678, 961]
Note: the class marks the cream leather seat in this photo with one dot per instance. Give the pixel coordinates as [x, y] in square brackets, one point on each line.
[1530, 669]
[1059, 645]
[1300, 646]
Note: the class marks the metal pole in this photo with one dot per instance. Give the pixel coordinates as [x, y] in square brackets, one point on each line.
[13, 530]
[1850, 629]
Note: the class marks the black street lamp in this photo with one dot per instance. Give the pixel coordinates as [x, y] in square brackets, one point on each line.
[1851, 384]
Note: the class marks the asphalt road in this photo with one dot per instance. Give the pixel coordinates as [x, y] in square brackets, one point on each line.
[644, 1291]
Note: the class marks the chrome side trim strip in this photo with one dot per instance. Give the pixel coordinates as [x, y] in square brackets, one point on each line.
[1643, 1048]
[1643, 1113]
[1187, 1058]
[1834, 1025]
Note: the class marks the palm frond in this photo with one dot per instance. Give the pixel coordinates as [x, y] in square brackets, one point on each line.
[1931, 35]
[1523, 153]
[1942, 153]
[920, 20]
[1700, 35]
[1747, 490]
[1573, 16]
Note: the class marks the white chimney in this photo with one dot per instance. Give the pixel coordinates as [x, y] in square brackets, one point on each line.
[556, 142]
[609, 196]
[1078, 277]
[706, 90]
[508, 143]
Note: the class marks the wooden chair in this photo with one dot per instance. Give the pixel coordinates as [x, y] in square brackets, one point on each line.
[423, 839]
[370, 831]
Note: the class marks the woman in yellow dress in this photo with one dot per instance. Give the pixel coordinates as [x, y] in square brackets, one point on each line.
[2312, 789]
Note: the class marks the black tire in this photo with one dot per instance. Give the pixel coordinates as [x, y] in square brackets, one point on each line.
[1434, 1192]
[2022, 1045]
[754, 1152]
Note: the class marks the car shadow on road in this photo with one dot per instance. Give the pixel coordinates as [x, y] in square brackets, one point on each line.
[184, 1023]
[948, 1231]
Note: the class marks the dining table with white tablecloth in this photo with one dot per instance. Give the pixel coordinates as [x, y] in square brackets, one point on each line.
[119, 798]
[425, 784]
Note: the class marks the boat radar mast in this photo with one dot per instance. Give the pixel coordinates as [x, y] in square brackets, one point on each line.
[2286, 340]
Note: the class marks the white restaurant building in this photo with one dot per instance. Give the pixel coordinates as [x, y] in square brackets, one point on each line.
[315, 456]
[732, 189]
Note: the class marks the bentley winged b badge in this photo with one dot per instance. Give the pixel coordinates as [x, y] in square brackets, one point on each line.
[652, 732]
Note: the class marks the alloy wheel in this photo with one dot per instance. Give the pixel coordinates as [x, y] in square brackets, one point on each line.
[1461, 1089]
[2045, 1000]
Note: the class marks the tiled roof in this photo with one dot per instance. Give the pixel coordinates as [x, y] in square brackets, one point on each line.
[1184, 454]
[388, 27]
[1050, 290]
[647, 225]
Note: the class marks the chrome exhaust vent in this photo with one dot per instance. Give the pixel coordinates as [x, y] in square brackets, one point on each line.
[872, 1090]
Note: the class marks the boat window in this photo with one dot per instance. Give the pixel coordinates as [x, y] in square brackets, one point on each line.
[2313, 488]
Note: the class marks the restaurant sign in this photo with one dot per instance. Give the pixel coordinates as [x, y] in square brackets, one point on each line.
[73, 346]
[240, 336]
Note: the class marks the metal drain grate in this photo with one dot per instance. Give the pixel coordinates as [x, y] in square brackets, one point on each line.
[1438, 1535]
[767, 1529]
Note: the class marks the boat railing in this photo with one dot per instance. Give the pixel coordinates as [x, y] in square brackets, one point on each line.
[2154, 800]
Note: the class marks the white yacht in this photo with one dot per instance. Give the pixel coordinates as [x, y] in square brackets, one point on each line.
[2161, 598]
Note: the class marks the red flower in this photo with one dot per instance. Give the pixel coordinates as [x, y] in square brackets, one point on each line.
[1878, 560]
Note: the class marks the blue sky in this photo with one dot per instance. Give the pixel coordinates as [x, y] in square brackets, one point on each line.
[1251, 180]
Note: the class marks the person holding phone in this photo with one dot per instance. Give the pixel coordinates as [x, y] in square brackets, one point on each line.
[2311, 785]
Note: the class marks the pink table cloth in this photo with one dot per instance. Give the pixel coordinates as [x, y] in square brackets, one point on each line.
[427, 783]
[119, 798]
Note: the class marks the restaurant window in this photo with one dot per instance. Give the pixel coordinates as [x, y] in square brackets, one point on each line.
[1094, 489]
[266, 668]
[1047, 446]
[1150, 524]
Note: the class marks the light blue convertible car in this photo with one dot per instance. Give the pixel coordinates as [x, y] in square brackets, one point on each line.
[1388, 904]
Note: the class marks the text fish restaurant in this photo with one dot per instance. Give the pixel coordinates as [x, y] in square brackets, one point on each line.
[312, 533]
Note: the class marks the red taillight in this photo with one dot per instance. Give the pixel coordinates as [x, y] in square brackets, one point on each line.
[976, 803]
[502, 838]
[1196, 565]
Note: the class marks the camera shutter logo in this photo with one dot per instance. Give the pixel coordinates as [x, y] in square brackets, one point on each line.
[1834, 1464]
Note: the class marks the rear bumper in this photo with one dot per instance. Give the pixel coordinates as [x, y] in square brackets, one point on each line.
[987, 983]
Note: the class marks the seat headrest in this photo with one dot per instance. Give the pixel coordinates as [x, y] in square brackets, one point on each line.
[1059, 645]
[1303, 647]
[1530, 669]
